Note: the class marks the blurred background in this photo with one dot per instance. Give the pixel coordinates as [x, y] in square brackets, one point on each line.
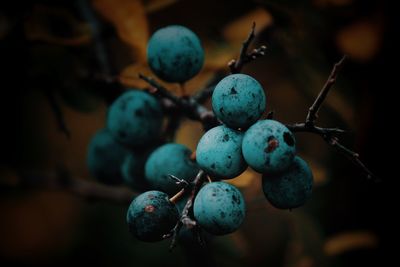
[59, 61]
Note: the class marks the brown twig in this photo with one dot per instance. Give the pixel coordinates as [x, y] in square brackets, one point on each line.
[61, 181]
[330, 134]
[187, 105]
[313, 111]
[236, 65]
[185, 219]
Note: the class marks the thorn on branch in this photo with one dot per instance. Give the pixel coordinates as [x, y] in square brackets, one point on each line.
[329, 134]
[313, 110]
[185, 219]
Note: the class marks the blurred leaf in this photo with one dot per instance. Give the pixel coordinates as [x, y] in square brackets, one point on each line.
[361, 40]
[56, 26]
[129, 19]
[344, 242]
[189, 134]
[219, 54]
[155, 5]
[245, 179]
[238, 30]
[319, 171]
[305, 248]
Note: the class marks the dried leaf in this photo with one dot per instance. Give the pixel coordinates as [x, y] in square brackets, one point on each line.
[361, 40]
[344, 242]
[238, 30]
[44, 22]
[130, 21]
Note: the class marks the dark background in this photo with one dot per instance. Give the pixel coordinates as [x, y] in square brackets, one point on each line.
[56, 57]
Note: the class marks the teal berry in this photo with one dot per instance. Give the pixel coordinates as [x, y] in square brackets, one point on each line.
[219, 153]
[175, 54]
[268, 146]
[291, 188]
[170, 159]
[135, 118]
[238, 101]
[104, 157]
[132, 170]
[219, 208]
[151, 215]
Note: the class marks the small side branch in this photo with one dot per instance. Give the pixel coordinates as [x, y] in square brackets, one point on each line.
[236, 65]
[185, 219]
[330, 134]
[313, 111]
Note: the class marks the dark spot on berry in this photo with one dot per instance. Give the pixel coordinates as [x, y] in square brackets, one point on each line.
[272, 145]
[229, 157]
[122, 134]
[139, 113]
[213, 194]
[233, 91]
[287, 137]
[213, 166]
[222, 214]
[226, 138]
[221, 110]
[149, 208]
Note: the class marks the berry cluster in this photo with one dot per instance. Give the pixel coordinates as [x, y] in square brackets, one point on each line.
[131, 150]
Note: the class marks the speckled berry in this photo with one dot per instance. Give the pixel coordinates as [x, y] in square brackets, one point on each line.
[291, 188]
[238, 100]
[219, 153]
[268, 146]
[105, 157]
[175, 54]
[135, 118]
[151, 215]
[170, 159]
[219, 208]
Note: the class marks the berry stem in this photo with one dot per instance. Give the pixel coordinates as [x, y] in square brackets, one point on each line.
[177, 196]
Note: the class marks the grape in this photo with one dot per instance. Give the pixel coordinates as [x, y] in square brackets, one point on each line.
[175, 54]
[105, 156]
[219, 208]
[151, 215]
[135, 118]
[291, 188]
[268, 146]
[171, 159]
[132, 170]
[238, 100]
[219, 152]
